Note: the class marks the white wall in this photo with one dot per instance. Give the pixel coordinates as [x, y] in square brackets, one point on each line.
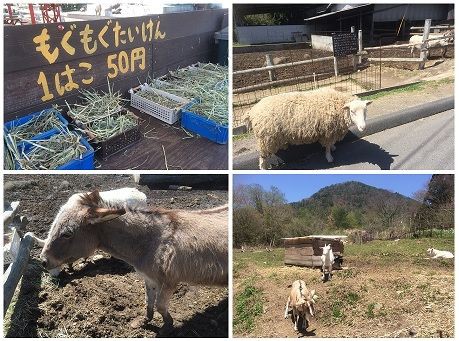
[269, 34]
[322, 42]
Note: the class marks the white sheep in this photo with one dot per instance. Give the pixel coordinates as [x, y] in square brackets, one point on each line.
[322, 115]
[416, 40]
[434, 253]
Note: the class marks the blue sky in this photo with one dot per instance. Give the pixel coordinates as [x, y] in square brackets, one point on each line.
[300, 186]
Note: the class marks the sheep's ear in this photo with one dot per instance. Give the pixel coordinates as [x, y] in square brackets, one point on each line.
[368, 102]
[99, 214]
[347, 105]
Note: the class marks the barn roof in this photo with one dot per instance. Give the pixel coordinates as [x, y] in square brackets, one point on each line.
[344, 10]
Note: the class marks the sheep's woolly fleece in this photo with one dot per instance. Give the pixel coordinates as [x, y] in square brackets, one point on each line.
[300, 118]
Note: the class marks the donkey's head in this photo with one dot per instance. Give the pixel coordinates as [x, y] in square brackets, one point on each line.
[72, 234]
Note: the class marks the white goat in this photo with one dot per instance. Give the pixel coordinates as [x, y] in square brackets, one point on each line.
[327, 259]
[434, 253]
[301, 301]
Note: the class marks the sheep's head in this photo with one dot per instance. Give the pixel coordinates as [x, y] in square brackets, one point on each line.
[430, 252]
[358, 112]
[72, 235]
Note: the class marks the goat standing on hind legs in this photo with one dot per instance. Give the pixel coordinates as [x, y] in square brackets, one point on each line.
[327, 262]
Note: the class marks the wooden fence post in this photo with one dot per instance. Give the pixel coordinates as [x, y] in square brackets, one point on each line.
[425, 43]
[14, 272]
[360, 46]
[272, 73]
[354, 59]
[335, 65]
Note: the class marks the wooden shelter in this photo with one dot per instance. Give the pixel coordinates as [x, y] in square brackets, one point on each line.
[306, 251]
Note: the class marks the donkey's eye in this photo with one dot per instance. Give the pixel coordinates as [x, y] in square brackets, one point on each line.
[67, 234]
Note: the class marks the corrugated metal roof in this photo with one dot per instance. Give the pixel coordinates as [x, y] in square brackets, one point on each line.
[345, 9]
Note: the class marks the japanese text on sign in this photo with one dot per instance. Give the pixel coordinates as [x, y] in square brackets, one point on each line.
[89, 41]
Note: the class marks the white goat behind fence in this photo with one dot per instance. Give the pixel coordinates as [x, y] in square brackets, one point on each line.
[327, 259]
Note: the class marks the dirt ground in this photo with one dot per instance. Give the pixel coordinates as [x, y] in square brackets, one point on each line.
[101, 297]
[372, 297]
[243, 61]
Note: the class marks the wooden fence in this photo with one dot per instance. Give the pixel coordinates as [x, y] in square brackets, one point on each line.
[50, 63]
[15, 270]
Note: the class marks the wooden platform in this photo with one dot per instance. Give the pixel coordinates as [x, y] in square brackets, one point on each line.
[182, 152]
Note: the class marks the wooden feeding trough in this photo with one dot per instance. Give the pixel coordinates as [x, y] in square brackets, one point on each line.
[306, 251]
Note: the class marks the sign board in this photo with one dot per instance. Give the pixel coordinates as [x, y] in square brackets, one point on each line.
[49, 64]
[345, 44]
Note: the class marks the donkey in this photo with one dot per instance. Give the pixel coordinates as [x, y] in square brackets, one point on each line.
[327, 259]
[164, 246]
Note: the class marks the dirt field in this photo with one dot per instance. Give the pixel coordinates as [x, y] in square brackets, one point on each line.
[387, 289]
[101, 297]
[243, 61]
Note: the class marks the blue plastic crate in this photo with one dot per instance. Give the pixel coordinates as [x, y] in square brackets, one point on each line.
[85, 163]
[40, 136]
[204, 127]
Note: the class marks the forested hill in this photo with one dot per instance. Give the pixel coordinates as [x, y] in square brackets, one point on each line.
[351, 196]
[352, 204]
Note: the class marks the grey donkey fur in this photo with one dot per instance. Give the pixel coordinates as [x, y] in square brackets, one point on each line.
[166, 247]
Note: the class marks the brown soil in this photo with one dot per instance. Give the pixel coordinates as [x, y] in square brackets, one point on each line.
[102, 296]
[407, 300]
[245, 61]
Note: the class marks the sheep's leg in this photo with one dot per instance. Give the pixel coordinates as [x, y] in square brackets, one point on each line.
[304, 323]
[164, 295]
[150, 298]
[328, 155]
[286, 308]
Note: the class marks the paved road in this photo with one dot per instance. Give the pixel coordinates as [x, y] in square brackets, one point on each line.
[426, 144]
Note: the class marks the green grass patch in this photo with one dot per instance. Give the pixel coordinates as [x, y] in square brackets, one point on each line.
[261, 258]
[403, 248]
[370, 312]
[352, 298]
[337, 310]
[408, 88]
[248, 305]
[241, 136]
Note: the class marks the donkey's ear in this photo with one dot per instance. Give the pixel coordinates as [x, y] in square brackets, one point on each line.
[91, 199]
[99, 215]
